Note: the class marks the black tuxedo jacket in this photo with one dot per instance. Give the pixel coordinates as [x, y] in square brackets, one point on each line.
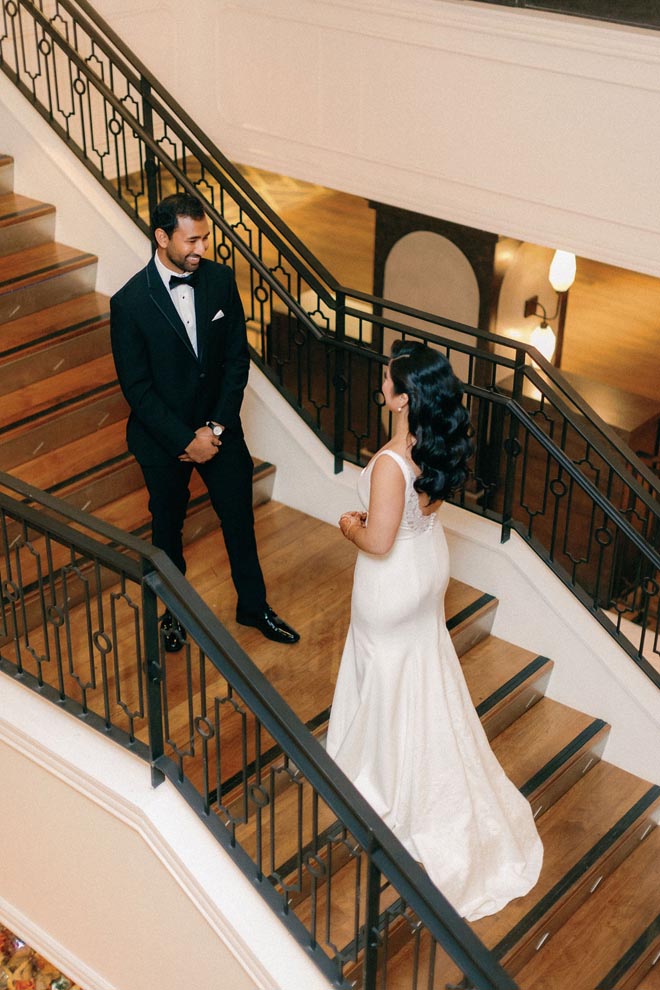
[172, 391]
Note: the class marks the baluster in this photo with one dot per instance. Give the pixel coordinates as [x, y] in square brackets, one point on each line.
[150, 166]
[512, 447]
[339, 380]
[154, 680]
[372, 913]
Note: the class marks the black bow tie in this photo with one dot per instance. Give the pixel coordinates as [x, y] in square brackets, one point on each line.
[190, 280]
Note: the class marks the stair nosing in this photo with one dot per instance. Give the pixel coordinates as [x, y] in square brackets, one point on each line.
[579, 869]
[62, 267]
[57, 407]
[572, 748]
[630, 956]
[470, 610]
[500, 693]
[37, 343]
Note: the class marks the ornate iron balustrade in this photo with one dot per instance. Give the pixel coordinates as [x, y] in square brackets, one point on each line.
[322, 344]
[79, 605]
[79, 625]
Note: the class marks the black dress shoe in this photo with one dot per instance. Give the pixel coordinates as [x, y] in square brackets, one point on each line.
[172, 633]
[269, 625]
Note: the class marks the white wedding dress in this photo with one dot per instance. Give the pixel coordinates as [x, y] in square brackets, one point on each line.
[403, 727]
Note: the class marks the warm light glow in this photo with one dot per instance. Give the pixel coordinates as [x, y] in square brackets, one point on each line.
[562, 271]
[543, 339]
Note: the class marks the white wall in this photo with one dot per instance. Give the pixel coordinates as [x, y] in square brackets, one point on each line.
[519, 122]
[117, 883]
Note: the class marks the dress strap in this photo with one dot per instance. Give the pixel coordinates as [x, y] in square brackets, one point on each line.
[403, 464]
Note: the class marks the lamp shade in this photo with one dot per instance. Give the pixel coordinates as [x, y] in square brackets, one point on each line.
[544, 340]
[562, 271]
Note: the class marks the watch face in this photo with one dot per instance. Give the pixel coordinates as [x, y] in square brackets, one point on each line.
[218, 430]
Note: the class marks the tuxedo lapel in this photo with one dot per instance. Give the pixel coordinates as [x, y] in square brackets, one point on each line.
[161, 298]
[202, 315]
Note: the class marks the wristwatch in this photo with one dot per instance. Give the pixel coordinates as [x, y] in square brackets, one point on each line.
[215, 428]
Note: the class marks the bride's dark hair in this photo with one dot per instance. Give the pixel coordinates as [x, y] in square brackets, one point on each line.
[437, 419]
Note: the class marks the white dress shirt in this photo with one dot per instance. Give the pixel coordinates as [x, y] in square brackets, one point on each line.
[183, 297]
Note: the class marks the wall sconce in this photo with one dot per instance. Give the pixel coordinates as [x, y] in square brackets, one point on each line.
[561, 277]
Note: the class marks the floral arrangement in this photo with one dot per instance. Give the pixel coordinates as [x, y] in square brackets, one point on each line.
[21, 968]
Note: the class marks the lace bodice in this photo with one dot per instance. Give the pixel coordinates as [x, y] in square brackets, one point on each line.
[414, 521]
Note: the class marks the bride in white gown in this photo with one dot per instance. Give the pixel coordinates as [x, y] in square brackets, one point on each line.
[403, 727]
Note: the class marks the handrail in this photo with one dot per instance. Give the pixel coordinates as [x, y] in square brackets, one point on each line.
[287, 324]
[174, 110]
[545, 466]
[99, 548]
[314, 272]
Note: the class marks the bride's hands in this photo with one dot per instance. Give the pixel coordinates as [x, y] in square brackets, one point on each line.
[350, 522]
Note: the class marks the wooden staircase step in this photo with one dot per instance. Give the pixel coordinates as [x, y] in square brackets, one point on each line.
[613, 937]
[52, 393]
[60, 356]
[548, 749]
[24, 223]
[469, 614]
[43, 276]
[115, 493]
[63, 321]
[55, 470]
[79, 417]
[508, 676]
[585, 834]
[504, 681]
[651, 980]
[6, 174]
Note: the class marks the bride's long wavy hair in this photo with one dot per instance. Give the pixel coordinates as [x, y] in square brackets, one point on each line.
[437, 419]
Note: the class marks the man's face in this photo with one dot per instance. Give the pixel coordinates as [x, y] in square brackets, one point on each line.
[184, 249]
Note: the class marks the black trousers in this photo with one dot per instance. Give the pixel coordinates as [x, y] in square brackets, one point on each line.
[228, 479]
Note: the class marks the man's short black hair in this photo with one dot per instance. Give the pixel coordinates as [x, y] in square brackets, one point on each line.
[166, 214]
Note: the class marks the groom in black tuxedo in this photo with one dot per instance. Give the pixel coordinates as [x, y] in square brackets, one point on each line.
[180, 348]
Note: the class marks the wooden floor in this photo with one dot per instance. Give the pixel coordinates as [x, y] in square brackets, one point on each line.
[613, 315]
[308, 567]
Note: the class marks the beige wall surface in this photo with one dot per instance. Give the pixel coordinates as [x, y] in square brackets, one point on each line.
[519, 122]
[118, 883]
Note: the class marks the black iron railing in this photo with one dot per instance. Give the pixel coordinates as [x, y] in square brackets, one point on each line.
[80, 600]
[79, 625]
[322, 344]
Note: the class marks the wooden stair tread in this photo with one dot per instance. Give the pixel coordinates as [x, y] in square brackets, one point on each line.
[72, 459]
[41, 262]
[66, 318]
[41, 363]
[569, 832]
[76, 418]
[536, 737]
[42, 395]
[469, 615]
[490, 664]
[609, 923]
[652, 979]
[15, 208]
[459, 596]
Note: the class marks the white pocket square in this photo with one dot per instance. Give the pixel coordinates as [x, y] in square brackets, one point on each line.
[218, 315]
